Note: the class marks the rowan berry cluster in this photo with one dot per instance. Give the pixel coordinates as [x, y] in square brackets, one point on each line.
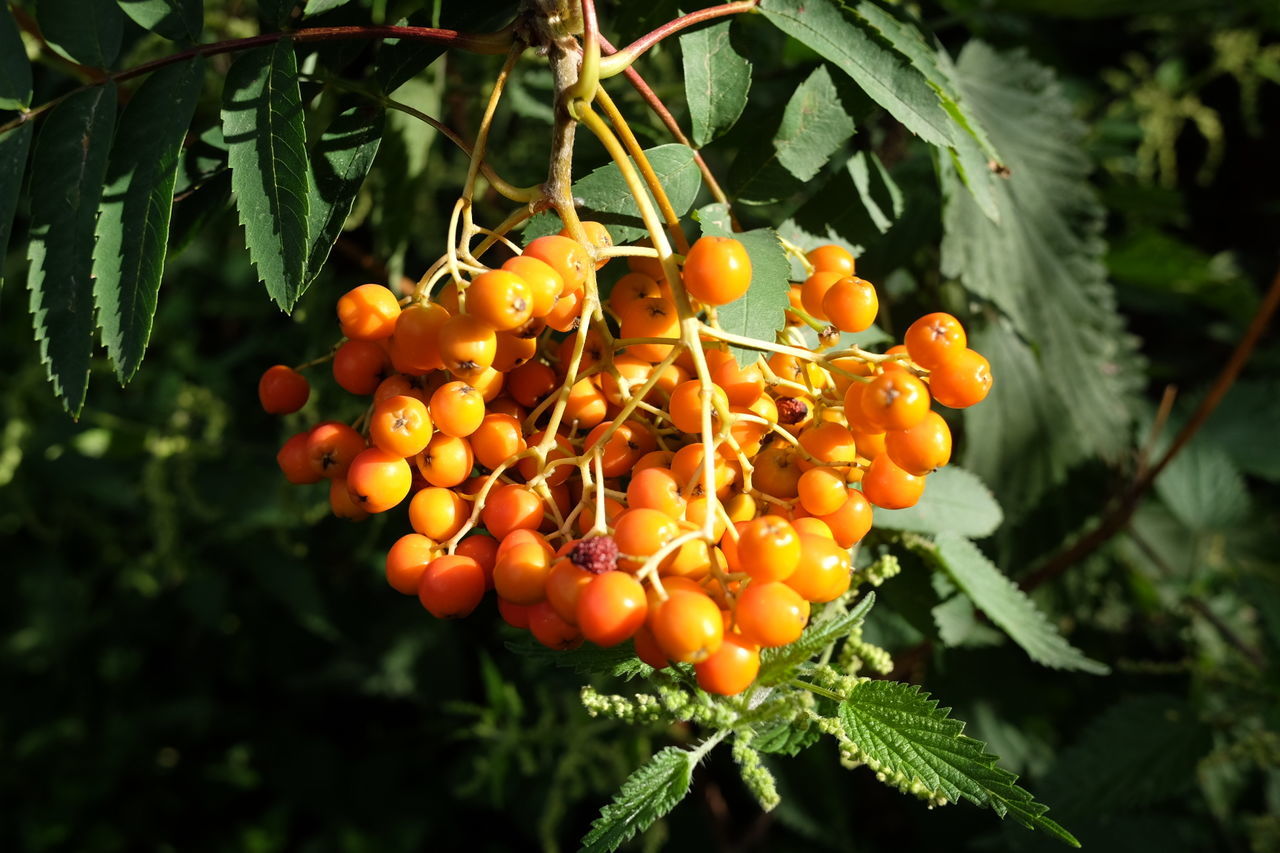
[566, 466]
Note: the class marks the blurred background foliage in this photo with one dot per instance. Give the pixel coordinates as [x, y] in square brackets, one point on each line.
[195, 656]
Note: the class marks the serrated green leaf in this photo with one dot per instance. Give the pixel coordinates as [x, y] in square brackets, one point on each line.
[178, 20]
[647, 794]
[1041, 265]
[15, 69]
[776, 663]
[1203, 488]
[262, 123]
[785, 739]
[1243, 426]
[760, 313]
[879, 192]
[402, 59]
[716, 81]
[84, 31]
[69, 165]
[954, 500]
[319, 7]
[340, 162]
[903, 735]
[13, 162]
[604, 193]
[618, 661]
[1009, 607]
[813, 127]
[959, 627]
[137, 202]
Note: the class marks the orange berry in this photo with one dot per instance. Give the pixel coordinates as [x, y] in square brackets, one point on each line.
[451, 586]
[566, 256]
[814, 291]
[511, 351]
[358, 366]
[685, 406]
[888, 486]
[824, 570]
[768, 548]
[921, 449]
[586, 404]
[457, 409]
[500, 298]
[851, 304]
[342, 504]
[656, 488]
[550, 629]
[520, 572]
[515, 615]
[961, 380]
[295, 462]
[732, 668]
[828, 442]
[648, 650]
[331, 446]
[415, 345]
[771, 614]
[482, 549]
[446, 461]
[777, 471]
[562, 449]
[688, 626]
[401, 425]
[467, 345]
[438, 513]
[822, 490]
[611, 608]
[624, 448]
[686, 466]
[544, 283]
[597, 236]
[717, 270]
[742, 385]
[282, 390]
[530, 382]
[895, 400]
[935, 338]
[511, 507]
[408, 559]
[813, 527]
[641, 532]
[565, 583]
[831, 258]
[651, 317]
[368, 313]
[498, 439]
[565, 315]
[630, 288]
[850, 521]
[379, 480]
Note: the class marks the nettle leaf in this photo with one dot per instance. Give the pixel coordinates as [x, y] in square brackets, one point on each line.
[912, 744]
[760, 313]
[811, 130]
[776, 663]
[84, 31]
[178, 20]
[647, 794]
[716, 81]
[954, 500]
[1243, 425]
[13, 162]
[137, 202]
[1042, 265]
[605, 192]
[262, 123]
[785, 738]
[340, 162]
[618, 661]
[1203, 488]
[1009, 607]
[69, 165]
[15, 69]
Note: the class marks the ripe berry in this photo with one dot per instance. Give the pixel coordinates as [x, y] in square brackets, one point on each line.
[415, 344]
[814, 291]
[921, 449]
[824, 570]
[565, 583]
[611, 608]
[831, 258]
[651, 317]
[822, 490]
[331, 446]
[484, 550]
[401, 425]
[550, 629]
[961, 380]
[656, 488]
[368, 313]
[688, 626]
[446, 460]
[934, 338]
[438, 513]
[566, 256]
[530, 382]
[497, 440]
[451, 587]
[520, 572]
[511, 507]
[457, 409]
[342, 503]
[895, 400]
[851, 304]
[598, 237]
[851, 521]
[768, 548]
[685, 406]
[888, 486]
[467, 345]
[771, 614]
[641, 532]
[358, 366]
[648, 650]
[282, 390]
[379, 480]
[408, 559]
[717, 270]
[544, 283]
[630, 288]
[296, 463]
[515, 615]
[500, 299]
[731, 669]
[624, 448]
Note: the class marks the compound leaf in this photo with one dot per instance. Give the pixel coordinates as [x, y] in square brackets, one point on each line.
[262, 123]
[69, 165]
[137, 202]
[811, 130]
[340, 162]
[178, 20]
[902, 735]
[954, 500]
[13, 162]
[84, 31]
[776, 664]
[1009, 607]
[716, 81]
[15, 69]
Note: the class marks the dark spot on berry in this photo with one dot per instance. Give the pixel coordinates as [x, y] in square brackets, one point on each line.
[598, 555]
[791, 410]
